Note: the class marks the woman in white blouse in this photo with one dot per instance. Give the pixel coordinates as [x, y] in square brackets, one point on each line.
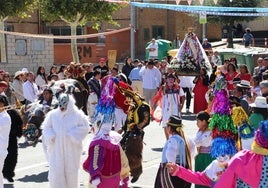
[41, 79]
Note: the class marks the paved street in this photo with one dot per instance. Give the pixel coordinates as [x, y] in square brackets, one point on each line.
[32, 168]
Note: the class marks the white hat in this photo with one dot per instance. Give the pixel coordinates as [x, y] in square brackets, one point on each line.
[18, 73]
[260, 102]
[24, 70]
[245, 84]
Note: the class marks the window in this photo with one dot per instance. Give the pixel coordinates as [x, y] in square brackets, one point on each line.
[63, 31]
[9, 28]
[158, 32]
[146, 35]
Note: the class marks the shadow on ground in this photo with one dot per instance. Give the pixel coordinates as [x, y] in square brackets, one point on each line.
[188, 116]
[35, 177]
[157, 149]
[8, 185]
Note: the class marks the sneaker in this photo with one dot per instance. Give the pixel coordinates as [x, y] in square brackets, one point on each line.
[187, 110]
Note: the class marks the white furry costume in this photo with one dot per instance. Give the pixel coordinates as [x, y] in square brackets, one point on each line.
[63, 132]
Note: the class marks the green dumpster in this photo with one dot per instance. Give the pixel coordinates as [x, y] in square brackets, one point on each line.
[249, 61]
[163, 47]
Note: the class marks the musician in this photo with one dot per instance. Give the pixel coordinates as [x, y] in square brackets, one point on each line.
[5, 127]
[14, 134]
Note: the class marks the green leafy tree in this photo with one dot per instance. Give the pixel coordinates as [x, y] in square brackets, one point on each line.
[78, 13]
[230, 20]
[9, 8]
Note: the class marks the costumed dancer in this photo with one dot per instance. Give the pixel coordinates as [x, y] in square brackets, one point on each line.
[245, 130]
[138, 118]
[64, 129]
[77, 72]
[15, 133]
[170, 98]
[248, 169]
[223, 147]
[122, 106]
[106, 162]
[178, 150]
[5, 127]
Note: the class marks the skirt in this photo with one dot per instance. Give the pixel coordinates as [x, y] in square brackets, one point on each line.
[202, 160]
[165, 180]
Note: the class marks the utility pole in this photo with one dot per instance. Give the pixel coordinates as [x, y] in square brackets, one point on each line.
[132, 31]
[204, 25]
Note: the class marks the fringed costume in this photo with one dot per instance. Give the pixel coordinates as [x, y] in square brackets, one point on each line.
[107, 164]
[138, 117]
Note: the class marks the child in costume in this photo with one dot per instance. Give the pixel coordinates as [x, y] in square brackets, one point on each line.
[245, 130]
[178, 150]
[171, 98]
[248, 169]
[106, 163]
[203, 141]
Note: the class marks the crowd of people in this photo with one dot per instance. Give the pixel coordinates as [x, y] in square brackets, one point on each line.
[151, 82]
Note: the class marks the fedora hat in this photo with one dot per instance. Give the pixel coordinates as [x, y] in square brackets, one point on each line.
[175, 121]
[260, 102]
[244, 84]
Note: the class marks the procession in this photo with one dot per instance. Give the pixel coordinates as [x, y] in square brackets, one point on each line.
[166, 101]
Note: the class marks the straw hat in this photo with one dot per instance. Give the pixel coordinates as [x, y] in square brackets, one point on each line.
[260, 102]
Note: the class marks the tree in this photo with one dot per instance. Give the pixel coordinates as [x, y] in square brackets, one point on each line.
[230, 20]
[78, 12]
[18, 8]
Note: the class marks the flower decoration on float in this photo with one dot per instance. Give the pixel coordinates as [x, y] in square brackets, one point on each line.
[190, 56]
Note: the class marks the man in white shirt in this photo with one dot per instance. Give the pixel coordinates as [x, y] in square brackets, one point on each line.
[186, 82]
[30, 89]
[151, 80]
[153, 49]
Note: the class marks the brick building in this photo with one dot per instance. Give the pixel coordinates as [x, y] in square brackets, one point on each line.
[149, 23]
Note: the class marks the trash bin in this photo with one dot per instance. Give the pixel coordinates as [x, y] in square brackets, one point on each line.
[163, 47]
[249, 61]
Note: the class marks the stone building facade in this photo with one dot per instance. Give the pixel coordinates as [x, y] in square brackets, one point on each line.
[30, 53]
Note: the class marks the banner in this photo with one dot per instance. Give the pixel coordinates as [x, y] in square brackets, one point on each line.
[189, 2]
[201, 2]
[178, 2]
[210, 10]
[111, 58]
[203, 17]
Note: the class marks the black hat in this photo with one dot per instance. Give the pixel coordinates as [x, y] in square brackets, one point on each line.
[175, 121]
[3, 99]
[151, 63]
[234, 100]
